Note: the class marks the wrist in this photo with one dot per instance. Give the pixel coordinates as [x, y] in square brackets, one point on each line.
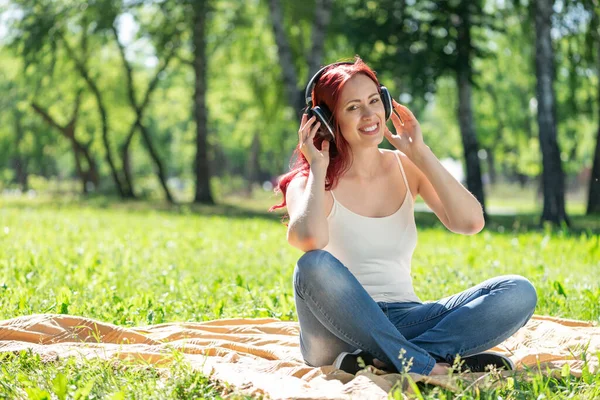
[419, 154]
[318, 169]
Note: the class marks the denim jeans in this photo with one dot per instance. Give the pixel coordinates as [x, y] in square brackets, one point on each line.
[336, 314]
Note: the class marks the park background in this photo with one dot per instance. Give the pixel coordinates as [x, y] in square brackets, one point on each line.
[140, 142]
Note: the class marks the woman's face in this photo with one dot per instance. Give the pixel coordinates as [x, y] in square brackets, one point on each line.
[360, 112]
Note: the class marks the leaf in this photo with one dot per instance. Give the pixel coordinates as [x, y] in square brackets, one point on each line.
[239, 280]
[559, 288]
[586, 375]
[565, 371]
[37, 394]
[59, 384]
[84, 392]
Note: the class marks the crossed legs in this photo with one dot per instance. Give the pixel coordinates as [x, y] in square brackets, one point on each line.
[336, 314]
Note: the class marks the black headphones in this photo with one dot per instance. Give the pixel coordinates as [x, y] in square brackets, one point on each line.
[322, 112]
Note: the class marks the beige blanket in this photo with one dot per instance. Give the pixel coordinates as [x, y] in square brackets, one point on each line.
[262, 356]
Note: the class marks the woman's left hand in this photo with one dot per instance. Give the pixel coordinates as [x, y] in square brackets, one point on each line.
[409, 139]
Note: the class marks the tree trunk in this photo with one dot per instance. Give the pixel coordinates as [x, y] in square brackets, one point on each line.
[491, 162]
[253, 165]
[552, 173]
[295, 97]
[19, 160]
[203, 193]
[162, 174]
[79, 149]
[465, 112]
[318, 35]
[91, 173]
[79, 168]
[126, 160]
[81, 68]
[139, 113]
[593, 206]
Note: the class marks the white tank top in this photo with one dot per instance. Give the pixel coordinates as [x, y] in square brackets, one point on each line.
[377, 250]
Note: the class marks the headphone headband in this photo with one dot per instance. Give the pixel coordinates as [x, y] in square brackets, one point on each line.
[315, 78]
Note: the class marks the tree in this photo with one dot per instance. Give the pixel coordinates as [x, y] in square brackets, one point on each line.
[552, 173]
[464, 15]
[593, 40]
[139, 109]
[203, 192]
[423, 41]
[87, 174]
[290, 75]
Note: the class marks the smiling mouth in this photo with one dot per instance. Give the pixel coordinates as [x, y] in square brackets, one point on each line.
[370, 130]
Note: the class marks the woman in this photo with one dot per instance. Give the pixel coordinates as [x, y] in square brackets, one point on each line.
[351, 210]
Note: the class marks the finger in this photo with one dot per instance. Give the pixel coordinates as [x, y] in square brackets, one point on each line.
[390, 135]
[302, 123]
[407, 111]
[404, 112]
[397, 121]
[306, 122]
[325, 146]
[314, 130]
[306, 129]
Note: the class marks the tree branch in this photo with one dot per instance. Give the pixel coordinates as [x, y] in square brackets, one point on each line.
[128, 69]
[46, 116]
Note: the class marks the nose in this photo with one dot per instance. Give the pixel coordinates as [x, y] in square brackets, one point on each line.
[367, 113]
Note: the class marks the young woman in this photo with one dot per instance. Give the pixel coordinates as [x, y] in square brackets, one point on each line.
[351, 211]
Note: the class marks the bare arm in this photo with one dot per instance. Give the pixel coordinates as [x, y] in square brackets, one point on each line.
[308, 228]
[454, 205]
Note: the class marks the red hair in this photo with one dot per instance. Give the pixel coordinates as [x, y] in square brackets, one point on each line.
[327, 91]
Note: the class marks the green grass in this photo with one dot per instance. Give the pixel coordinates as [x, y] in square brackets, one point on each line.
[140, 263]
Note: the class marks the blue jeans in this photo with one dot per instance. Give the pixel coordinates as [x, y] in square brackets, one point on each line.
[336, 314]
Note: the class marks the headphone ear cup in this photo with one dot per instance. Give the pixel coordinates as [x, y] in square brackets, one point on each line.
[324, 116]
[386, 98]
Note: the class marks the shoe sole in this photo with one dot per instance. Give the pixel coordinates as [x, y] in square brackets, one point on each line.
[489, 358]
[338, 360]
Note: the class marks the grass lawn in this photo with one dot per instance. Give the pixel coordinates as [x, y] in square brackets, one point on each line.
[136, 264]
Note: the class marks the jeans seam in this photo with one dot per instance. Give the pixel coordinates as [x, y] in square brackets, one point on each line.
[430, 365]
[353, 342]
[436, 315]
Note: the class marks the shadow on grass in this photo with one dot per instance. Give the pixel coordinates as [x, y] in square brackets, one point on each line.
[225, 209]
[509, 224]
[521, 223]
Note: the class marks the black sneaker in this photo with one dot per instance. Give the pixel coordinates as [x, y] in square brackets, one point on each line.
[348, 362]
[482, 362]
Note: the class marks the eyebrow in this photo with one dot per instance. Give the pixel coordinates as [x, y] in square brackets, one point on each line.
[350, 101]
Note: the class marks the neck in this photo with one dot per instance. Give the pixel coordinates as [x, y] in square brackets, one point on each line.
[366, 163]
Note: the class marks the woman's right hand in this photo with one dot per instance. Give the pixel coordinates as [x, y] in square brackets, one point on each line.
[306, 134]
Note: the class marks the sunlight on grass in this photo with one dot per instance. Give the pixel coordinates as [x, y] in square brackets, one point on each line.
[131, 265]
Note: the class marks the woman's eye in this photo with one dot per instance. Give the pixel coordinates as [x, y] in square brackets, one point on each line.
[352, 108]
[375, 100]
